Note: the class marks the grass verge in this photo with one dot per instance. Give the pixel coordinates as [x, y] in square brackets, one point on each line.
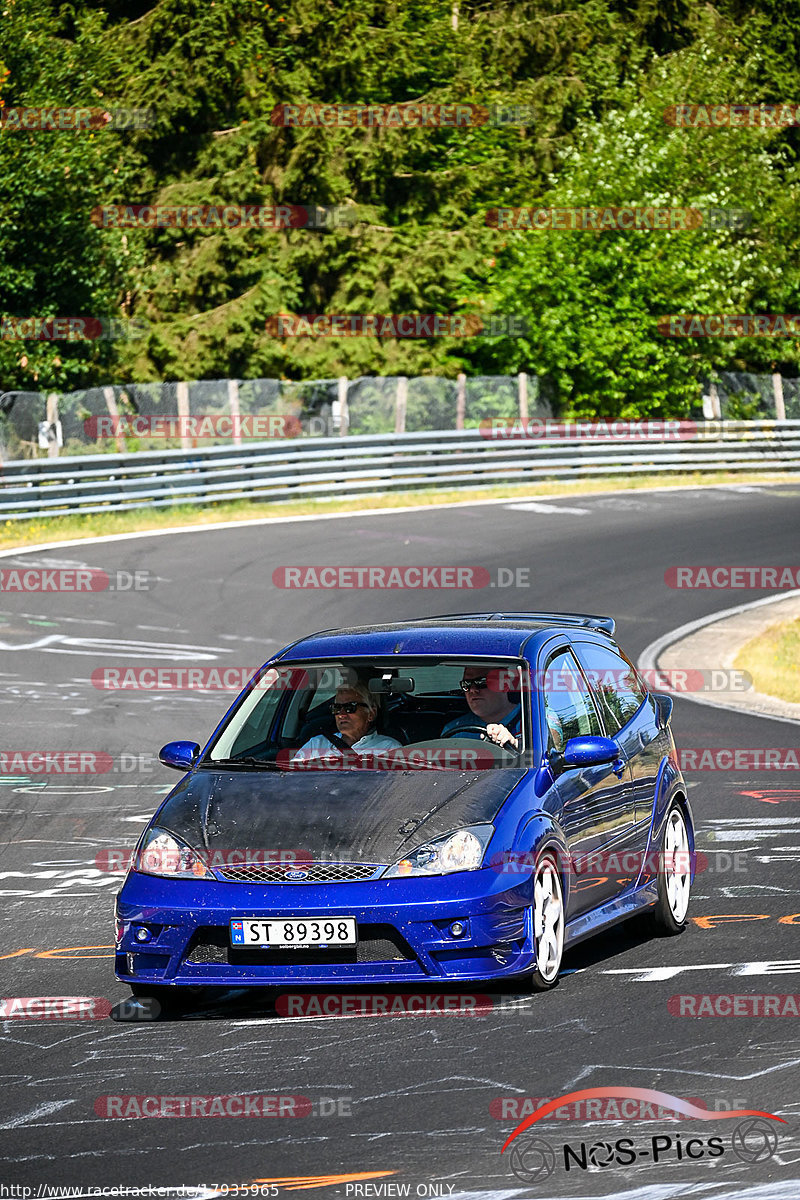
[772, 659]
[15, 534]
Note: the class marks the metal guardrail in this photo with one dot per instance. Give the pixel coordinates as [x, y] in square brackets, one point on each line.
[370, 463]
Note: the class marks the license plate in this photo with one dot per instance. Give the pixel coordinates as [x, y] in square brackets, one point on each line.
[294, 931]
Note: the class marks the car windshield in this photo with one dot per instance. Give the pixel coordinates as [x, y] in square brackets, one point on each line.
[347, 714]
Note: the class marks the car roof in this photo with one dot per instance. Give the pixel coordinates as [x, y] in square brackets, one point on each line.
[488, 634]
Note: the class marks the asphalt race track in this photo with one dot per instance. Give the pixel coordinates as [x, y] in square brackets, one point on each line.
[415, 1102]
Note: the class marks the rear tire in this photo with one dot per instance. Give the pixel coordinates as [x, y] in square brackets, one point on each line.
[548, 924]
[674, 875]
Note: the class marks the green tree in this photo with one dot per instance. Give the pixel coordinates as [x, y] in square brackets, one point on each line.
[594, 298]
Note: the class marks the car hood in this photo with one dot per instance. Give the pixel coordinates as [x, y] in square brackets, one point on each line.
[357, 816]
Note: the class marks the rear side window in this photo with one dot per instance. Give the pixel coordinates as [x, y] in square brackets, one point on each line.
[617, 688]
[568, 706]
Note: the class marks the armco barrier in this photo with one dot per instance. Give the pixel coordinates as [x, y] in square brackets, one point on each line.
[369, 463]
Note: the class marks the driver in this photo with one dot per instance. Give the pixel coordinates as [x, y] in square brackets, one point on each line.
[355, 711]
[490, 705]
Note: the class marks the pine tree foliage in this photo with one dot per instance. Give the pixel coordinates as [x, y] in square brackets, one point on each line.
[597, 75]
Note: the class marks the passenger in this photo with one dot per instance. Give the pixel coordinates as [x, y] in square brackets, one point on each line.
[355, 711]
[490, 705]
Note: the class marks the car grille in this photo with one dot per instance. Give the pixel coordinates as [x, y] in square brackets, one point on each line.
[315, 872]
[376, 943]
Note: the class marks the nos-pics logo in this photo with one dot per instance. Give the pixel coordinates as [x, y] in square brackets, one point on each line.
[533, 1158]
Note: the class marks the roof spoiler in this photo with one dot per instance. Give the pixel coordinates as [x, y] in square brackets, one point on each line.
[581, 620]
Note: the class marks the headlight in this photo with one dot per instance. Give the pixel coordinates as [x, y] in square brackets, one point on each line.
[162, 854]
[459, 851]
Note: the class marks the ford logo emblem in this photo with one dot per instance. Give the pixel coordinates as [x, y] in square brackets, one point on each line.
[296, 875]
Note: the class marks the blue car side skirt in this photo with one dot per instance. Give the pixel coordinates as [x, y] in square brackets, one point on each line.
[631, 902]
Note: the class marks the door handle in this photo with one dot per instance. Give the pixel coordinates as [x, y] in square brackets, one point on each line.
[618, 767]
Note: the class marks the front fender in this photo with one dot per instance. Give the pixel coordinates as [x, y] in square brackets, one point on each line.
[541, 832]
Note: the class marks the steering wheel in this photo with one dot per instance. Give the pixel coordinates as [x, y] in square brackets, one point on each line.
[481, 731]
[476, 728]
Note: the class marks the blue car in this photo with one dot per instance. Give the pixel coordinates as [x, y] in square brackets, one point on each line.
[453, 799]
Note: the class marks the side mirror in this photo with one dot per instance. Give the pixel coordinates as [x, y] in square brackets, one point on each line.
[589, 752]
[180, 755]
[664, 706]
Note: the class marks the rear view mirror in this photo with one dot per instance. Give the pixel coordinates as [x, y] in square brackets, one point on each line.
[180, 755]
[391, 683]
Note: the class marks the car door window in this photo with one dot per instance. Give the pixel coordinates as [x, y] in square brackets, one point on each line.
[568, 705]
[617, 688]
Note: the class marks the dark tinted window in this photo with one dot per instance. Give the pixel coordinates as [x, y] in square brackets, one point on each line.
[569, 710]
[616, 686]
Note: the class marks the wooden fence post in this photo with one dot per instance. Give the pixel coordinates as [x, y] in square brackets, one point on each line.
[182, 398]
[113, 411]
[716, 407]
[233, 409]
[461, 400]
[53, 425]
[401, 404]
[344, 411]
[522, 392]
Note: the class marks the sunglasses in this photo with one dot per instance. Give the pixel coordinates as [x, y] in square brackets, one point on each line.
[349, 707]
[479, 683]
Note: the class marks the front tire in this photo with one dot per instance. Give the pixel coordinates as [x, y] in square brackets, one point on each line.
[674, 875]
[548, 924]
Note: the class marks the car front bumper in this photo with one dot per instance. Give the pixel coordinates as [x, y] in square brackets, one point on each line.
[404, 931]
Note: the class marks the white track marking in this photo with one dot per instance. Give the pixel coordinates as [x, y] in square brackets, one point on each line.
[535, 506]
[43, 1110]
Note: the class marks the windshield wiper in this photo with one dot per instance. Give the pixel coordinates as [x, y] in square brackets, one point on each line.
[246, 761]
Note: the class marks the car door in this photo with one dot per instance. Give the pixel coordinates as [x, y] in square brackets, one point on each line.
[628, 715]
[586, 794]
